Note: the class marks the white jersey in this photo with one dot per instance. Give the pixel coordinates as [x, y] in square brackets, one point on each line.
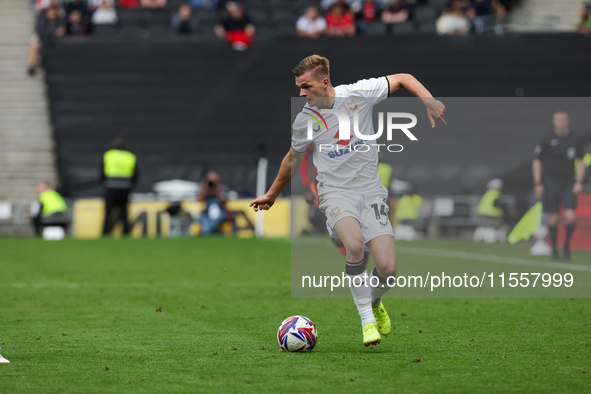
[348, 165]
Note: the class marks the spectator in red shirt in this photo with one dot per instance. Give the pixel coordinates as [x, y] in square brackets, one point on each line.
[129, 4]
[340, 23]
[238, 29]
[370, 11]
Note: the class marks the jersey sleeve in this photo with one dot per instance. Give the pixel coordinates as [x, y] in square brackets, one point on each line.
[374, 90]
[299, 134]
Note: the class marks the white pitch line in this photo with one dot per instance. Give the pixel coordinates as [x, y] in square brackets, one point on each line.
[143, 284]
[464, 255]
[492, 258]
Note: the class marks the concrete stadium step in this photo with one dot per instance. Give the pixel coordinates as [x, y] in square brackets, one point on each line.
[26, 140]
[32, 145]
[535, 15]
[16, 230]
[24, 181]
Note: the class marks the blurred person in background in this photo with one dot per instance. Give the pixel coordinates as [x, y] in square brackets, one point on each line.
[213, 195]
[452, 22]
[408, 215]
[183, 22]
[129, 4]
[479, 10]
[48, 24]
[583, 25]
[207, 4]
[398, 11]
[238, 29]
[52, 209]
[153, 4]
[490, 213]
[354, 6]
[311, 24]
[340, 22]
[77, 25]
[41, 5]
[490, 220]
[119, 176]
[554, 177]
[77, 5]
[408, 206]
[370, 13]
[104, 12]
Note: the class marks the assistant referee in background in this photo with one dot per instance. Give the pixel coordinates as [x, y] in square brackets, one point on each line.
[554, 177]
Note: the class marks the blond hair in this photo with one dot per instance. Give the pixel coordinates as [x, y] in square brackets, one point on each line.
[315, 64]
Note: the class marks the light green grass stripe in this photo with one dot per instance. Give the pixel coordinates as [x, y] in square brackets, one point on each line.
[491, 258]
[464, 255]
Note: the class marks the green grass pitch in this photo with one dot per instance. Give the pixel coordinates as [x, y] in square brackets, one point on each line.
[81, 317]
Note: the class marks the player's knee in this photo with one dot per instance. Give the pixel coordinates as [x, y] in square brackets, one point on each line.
[355, 250]
[388, 270]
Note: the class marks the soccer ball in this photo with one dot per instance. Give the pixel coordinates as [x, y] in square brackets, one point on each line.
[297, 334]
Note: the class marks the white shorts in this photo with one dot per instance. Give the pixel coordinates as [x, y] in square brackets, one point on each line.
[370, 209]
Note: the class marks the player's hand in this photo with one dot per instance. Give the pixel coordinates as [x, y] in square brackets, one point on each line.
[435, 110]
[539, 191]
[577, 188]
[263, 203]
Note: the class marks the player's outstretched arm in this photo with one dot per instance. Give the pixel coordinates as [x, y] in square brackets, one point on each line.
[435, 108]
[289, 167]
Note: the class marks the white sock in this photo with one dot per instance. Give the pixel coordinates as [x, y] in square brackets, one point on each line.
[378, 292]
[362, 297]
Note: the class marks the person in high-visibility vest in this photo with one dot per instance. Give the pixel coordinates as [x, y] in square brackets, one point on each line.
[119, 176]
[52, 209]
[408, 205]
[490, 213]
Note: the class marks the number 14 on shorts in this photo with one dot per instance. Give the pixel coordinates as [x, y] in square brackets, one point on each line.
[380, 212]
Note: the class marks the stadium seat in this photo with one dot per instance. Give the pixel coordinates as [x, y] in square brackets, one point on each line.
[403, 28]
[105, 30]
[374, 29]
[284, 17]
[438, 4]
[427, 28]
[425, 15]
[260, 17]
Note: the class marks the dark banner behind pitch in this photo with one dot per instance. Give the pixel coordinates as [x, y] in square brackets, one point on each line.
[191, 106]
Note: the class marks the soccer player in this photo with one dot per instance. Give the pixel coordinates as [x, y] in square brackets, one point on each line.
[350, 192]
[554, 159]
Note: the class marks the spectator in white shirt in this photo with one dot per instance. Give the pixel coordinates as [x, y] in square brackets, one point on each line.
[104, 13]
[452, 22]
[311, 24]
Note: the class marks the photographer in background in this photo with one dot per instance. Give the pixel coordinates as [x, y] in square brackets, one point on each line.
[584, 22]
[212, 193]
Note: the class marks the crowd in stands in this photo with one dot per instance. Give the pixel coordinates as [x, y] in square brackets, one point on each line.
[465, 16]
[333, 18]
